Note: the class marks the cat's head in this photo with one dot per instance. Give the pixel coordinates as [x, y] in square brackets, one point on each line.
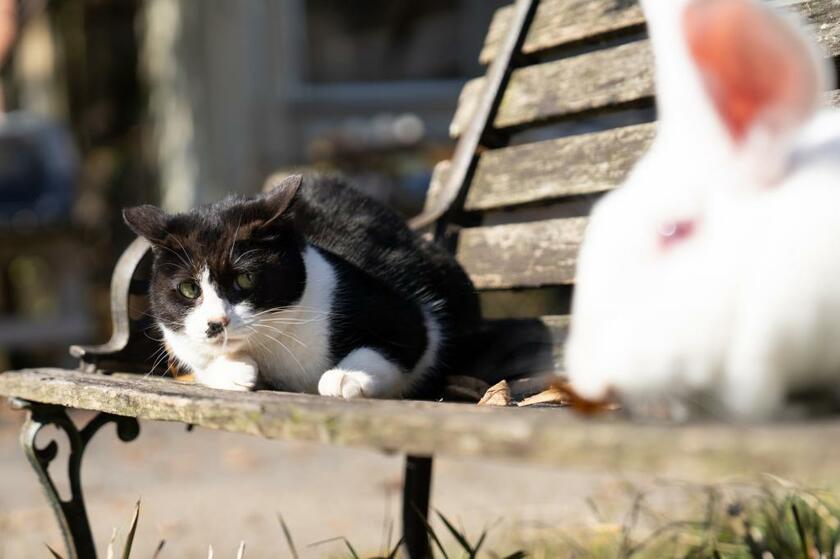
[221, 269]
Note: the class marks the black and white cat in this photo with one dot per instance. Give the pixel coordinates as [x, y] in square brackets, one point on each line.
[311, 287]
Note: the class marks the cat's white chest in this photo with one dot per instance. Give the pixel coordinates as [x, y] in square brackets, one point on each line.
[292, 347]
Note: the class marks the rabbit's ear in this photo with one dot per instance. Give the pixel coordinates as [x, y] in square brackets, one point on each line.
[761, 75]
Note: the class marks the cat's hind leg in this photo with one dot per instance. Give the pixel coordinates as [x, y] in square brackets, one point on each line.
[364, 373]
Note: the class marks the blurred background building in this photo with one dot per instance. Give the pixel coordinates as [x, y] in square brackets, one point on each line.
[109, 103]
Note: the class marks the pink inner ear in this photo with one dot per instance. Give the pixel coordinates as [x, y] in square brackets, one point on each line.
[755, 67]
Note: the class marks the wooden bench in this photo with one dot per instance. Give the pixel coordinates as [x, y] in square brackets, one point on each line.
[564, 110]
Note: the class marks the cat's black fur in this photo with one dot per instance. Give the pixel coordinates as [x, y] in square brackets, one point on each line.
[385, 271]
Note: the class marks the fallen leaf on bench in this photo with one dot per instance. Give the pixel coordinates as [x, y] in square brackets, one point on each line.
[496, 395]
[554, 394]
[562, 394]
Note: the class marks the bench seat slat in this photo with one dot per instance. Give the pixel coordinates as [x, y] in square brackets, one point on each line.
[534, 254]
[544, 436]
[558, 22]
[604, 78]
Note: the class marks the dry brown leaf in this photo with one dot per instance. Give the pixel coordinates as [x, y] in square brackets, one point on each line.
[561, 393]
[552, 395]
[496, 395]
[589, 407]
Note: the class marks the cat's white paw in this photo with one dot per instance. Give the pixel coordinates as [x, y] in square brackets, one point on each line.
[343, 384]
[230, 374]
[364, 373]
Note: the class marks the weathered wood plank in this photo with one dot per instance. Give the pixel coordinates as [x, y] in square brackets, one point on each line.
[606, 77]
[542, 436]
[574, 165]
[591, 81]
[435, 191]
[558, 22]
[522, 255]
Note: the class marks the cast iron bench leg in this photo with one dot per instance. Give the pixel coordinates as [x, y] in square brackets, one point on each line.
[71, 515]
[416, 489]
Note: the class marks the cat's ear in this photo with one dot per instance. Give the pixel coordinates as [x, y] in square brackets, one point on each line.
[280, 196]
[147, 221]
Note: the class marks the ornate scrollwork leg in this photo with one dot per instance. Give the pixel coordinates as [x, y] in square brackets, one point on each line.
[71, 514]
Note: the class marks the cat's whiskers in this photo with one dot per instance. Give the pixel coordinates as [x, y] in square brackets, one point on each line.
[174, 265]
[186, 253]
[290, 321]
[292, 308]
[159, 319]
[157, 362]
[284, 346]
[186, 260]
[241, 256]
[255, 338]
[281, 332]
[235, 234]
[148, 337]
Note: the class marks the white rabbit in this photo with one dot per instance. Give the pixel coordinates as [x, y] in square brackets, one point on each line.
[713, 273]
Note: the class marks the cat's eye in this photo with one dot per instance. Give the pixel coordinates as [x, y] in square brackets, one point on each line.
[189, 289]
[245, 281]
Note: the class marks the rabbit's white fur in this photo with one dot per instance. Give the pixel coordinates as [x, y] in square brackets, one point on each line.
[746, 308]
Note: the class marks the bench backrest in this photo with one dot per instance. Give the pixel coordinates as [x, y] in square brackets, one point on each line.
[569, 112]
[573, 118]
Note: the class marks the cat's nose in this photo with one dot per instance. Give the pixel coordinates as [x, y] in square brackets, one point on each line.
[216, 327]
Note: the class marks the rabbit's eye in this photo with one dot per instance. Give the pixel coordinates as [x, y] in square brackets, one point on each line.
[674, 232]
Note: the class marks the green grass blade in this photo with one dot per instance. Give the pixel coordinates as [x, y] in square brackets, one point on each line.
[159, 549]
[462, 540]
[129, 539]
[800, 529]
[288, 535]
[432, 533]
[353, 553]
[396, 549]
[54, 552]
[480, 542]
